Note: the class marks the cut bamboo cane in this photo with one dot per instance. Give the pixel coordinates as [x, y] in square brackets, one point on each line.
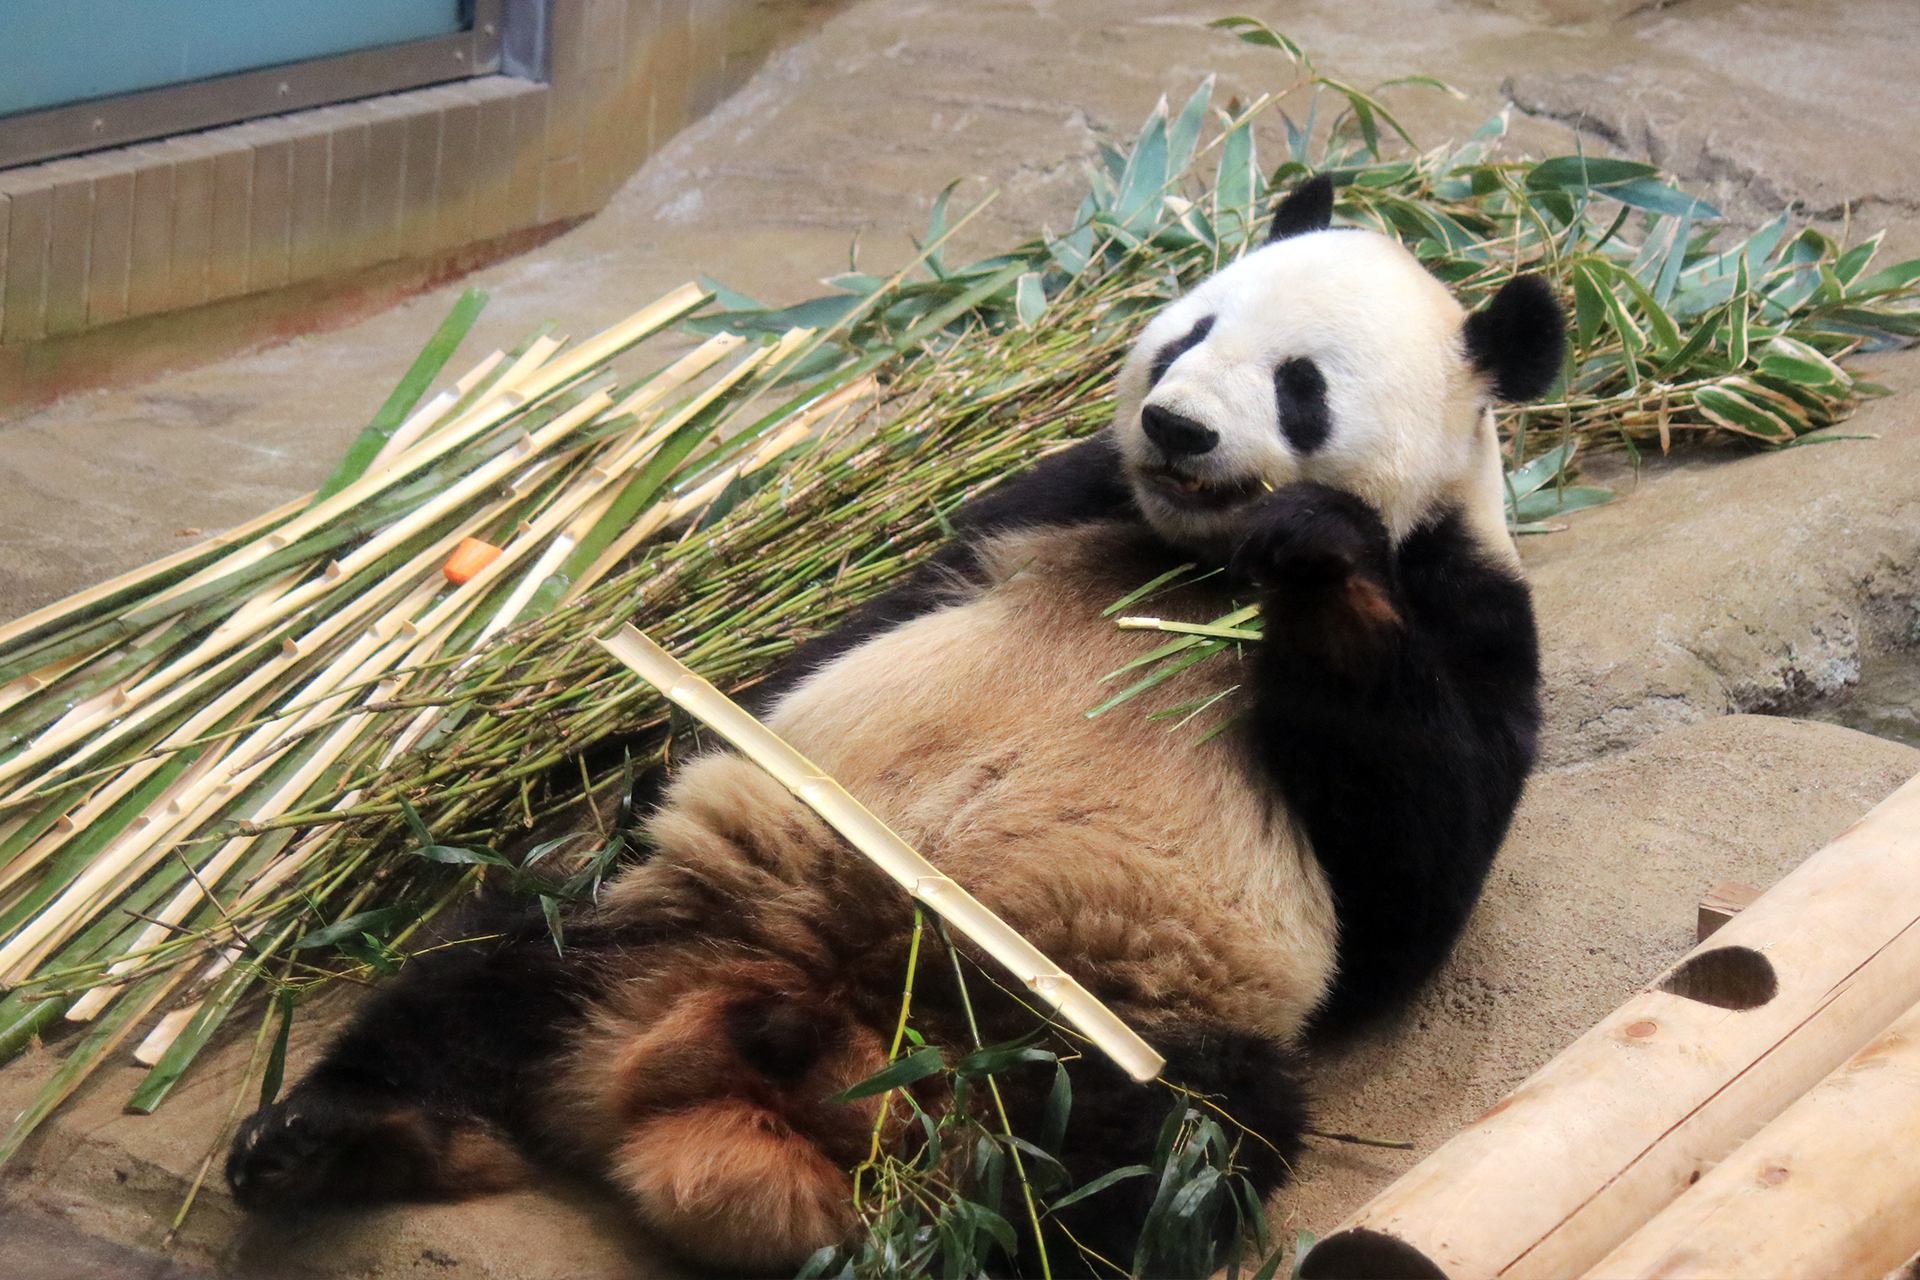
[820, 417]
[76, 605]
[1615, 1127]
[428, 415]
[192, 800]
[874, 839]
[518, 387]
[1830, 1190]
[34, 681]
[127, 710]
[373, 655]
[679, 373]
[611, 341]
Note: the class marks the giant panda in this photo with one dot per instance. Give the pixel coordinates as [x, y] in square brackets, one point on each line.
[1312, 429]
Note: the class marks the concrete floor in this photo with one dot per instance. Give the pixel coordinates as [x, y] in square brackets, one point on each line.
[1717, 585]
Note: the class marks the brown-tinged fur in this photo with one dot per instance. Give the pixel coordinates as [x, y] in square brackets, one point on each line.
[1117, 844]
[1334, 461]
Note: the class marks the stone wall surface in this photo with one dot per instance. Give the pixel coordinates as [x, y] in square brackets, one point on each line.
[1720, 582]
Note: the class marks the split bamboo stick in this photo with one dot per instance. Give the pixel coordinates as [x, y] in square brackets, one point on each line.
[1614, 1128]
[79, 602]
[1830, 1190]
[428, 415]
[878, 842]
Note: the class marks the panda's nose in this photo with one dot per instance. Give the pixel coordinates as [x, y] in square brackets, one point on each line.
[1177, 434]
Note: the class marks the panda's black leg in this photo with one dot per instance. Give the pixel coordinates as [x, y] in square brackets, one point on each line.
[1396, 710]
[419, 1097]
[1251, 1085]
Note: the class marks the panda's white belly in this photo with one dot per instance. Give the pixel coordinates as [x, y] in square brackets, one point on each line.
[1115, 843]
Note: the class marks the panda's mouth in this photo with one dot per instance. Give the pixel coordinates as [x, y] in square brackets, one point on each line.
[1198, 493]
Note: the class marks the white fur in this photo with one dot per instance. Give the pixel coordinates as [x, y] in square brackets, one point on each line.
[1412, 424]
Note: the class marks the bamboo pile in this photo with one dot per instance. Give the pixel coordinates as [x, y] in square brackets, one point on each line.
[1751, 1114]
[182, 742]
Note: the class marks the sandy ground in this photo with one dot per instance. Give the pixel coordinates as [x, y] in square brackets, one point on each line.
[1716, 586]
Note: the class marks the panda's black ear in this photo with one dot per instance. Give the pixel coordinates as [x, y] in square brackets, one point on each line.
[1308, 207]
[1519, 339]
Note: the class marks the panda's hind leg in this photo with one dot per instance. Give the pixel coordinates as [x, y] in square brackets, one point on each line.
[324, 1148]
[425, 1094]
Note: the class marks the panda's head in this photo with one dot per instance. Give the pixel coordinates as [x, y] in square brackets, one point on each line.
[1331, 356]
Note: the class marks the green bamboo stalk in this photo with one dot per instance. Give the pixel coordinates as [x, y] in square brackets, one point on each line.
[426, 367]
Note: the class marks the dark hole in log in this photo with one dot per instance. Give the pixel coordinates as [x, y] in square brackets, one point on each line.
[1726, 977]
[1360, 1254]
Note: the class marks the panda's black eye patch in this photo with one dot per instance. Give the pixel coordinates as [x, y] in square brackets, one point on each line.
[1177, 348]
[1301, 393]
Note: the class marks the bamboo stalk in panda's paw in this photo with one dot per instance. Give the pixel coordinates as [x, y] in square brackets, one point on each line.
[879, 843]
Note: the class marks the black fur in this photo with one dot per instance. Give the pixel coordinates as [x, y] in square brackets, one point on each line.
[1308, 207]
[1397, 714]
[1177, 348]
[1082, 482]
[1519, 339]
[454, 1042]
[1300, 391]
[1254, 1084]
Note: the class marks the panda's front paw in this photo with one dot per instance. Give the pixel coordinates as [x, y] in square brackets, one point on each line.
[1322, 562]
[1311, 537]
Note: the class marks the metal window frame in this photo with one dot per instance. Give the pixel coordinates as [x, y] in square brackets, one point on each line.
[32, 136]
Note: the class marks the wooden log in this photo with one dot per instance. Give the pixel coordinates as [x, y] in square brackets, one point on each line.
[1829, 1191]
[1616, 1127]
[1723, 902]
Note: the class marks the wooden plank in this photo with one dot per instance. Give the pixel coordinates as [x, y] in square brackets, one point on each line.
[151, 258]
[270, 214]
[670, 81]
[69, 245]
[707, 33]
[307, 207]
[529, 158]
[386, 171]
[232, 221]
[6, 221]
[111, 251]
[192, 252]
[417, 184]
[492, 166]
[1723, 902]
[643, 57]
[347, 195]
[24, 298]
[453, 191]
[1617, 1126]
[1830, 1189]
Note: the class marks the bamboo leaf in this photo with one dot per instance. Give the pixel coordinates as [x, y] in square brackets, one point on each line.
[1185, 131]
[1100, 1184]
[902, 1071]
[1030, 300]
[1254, 31]
[276, 1068]
[1729, 409]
